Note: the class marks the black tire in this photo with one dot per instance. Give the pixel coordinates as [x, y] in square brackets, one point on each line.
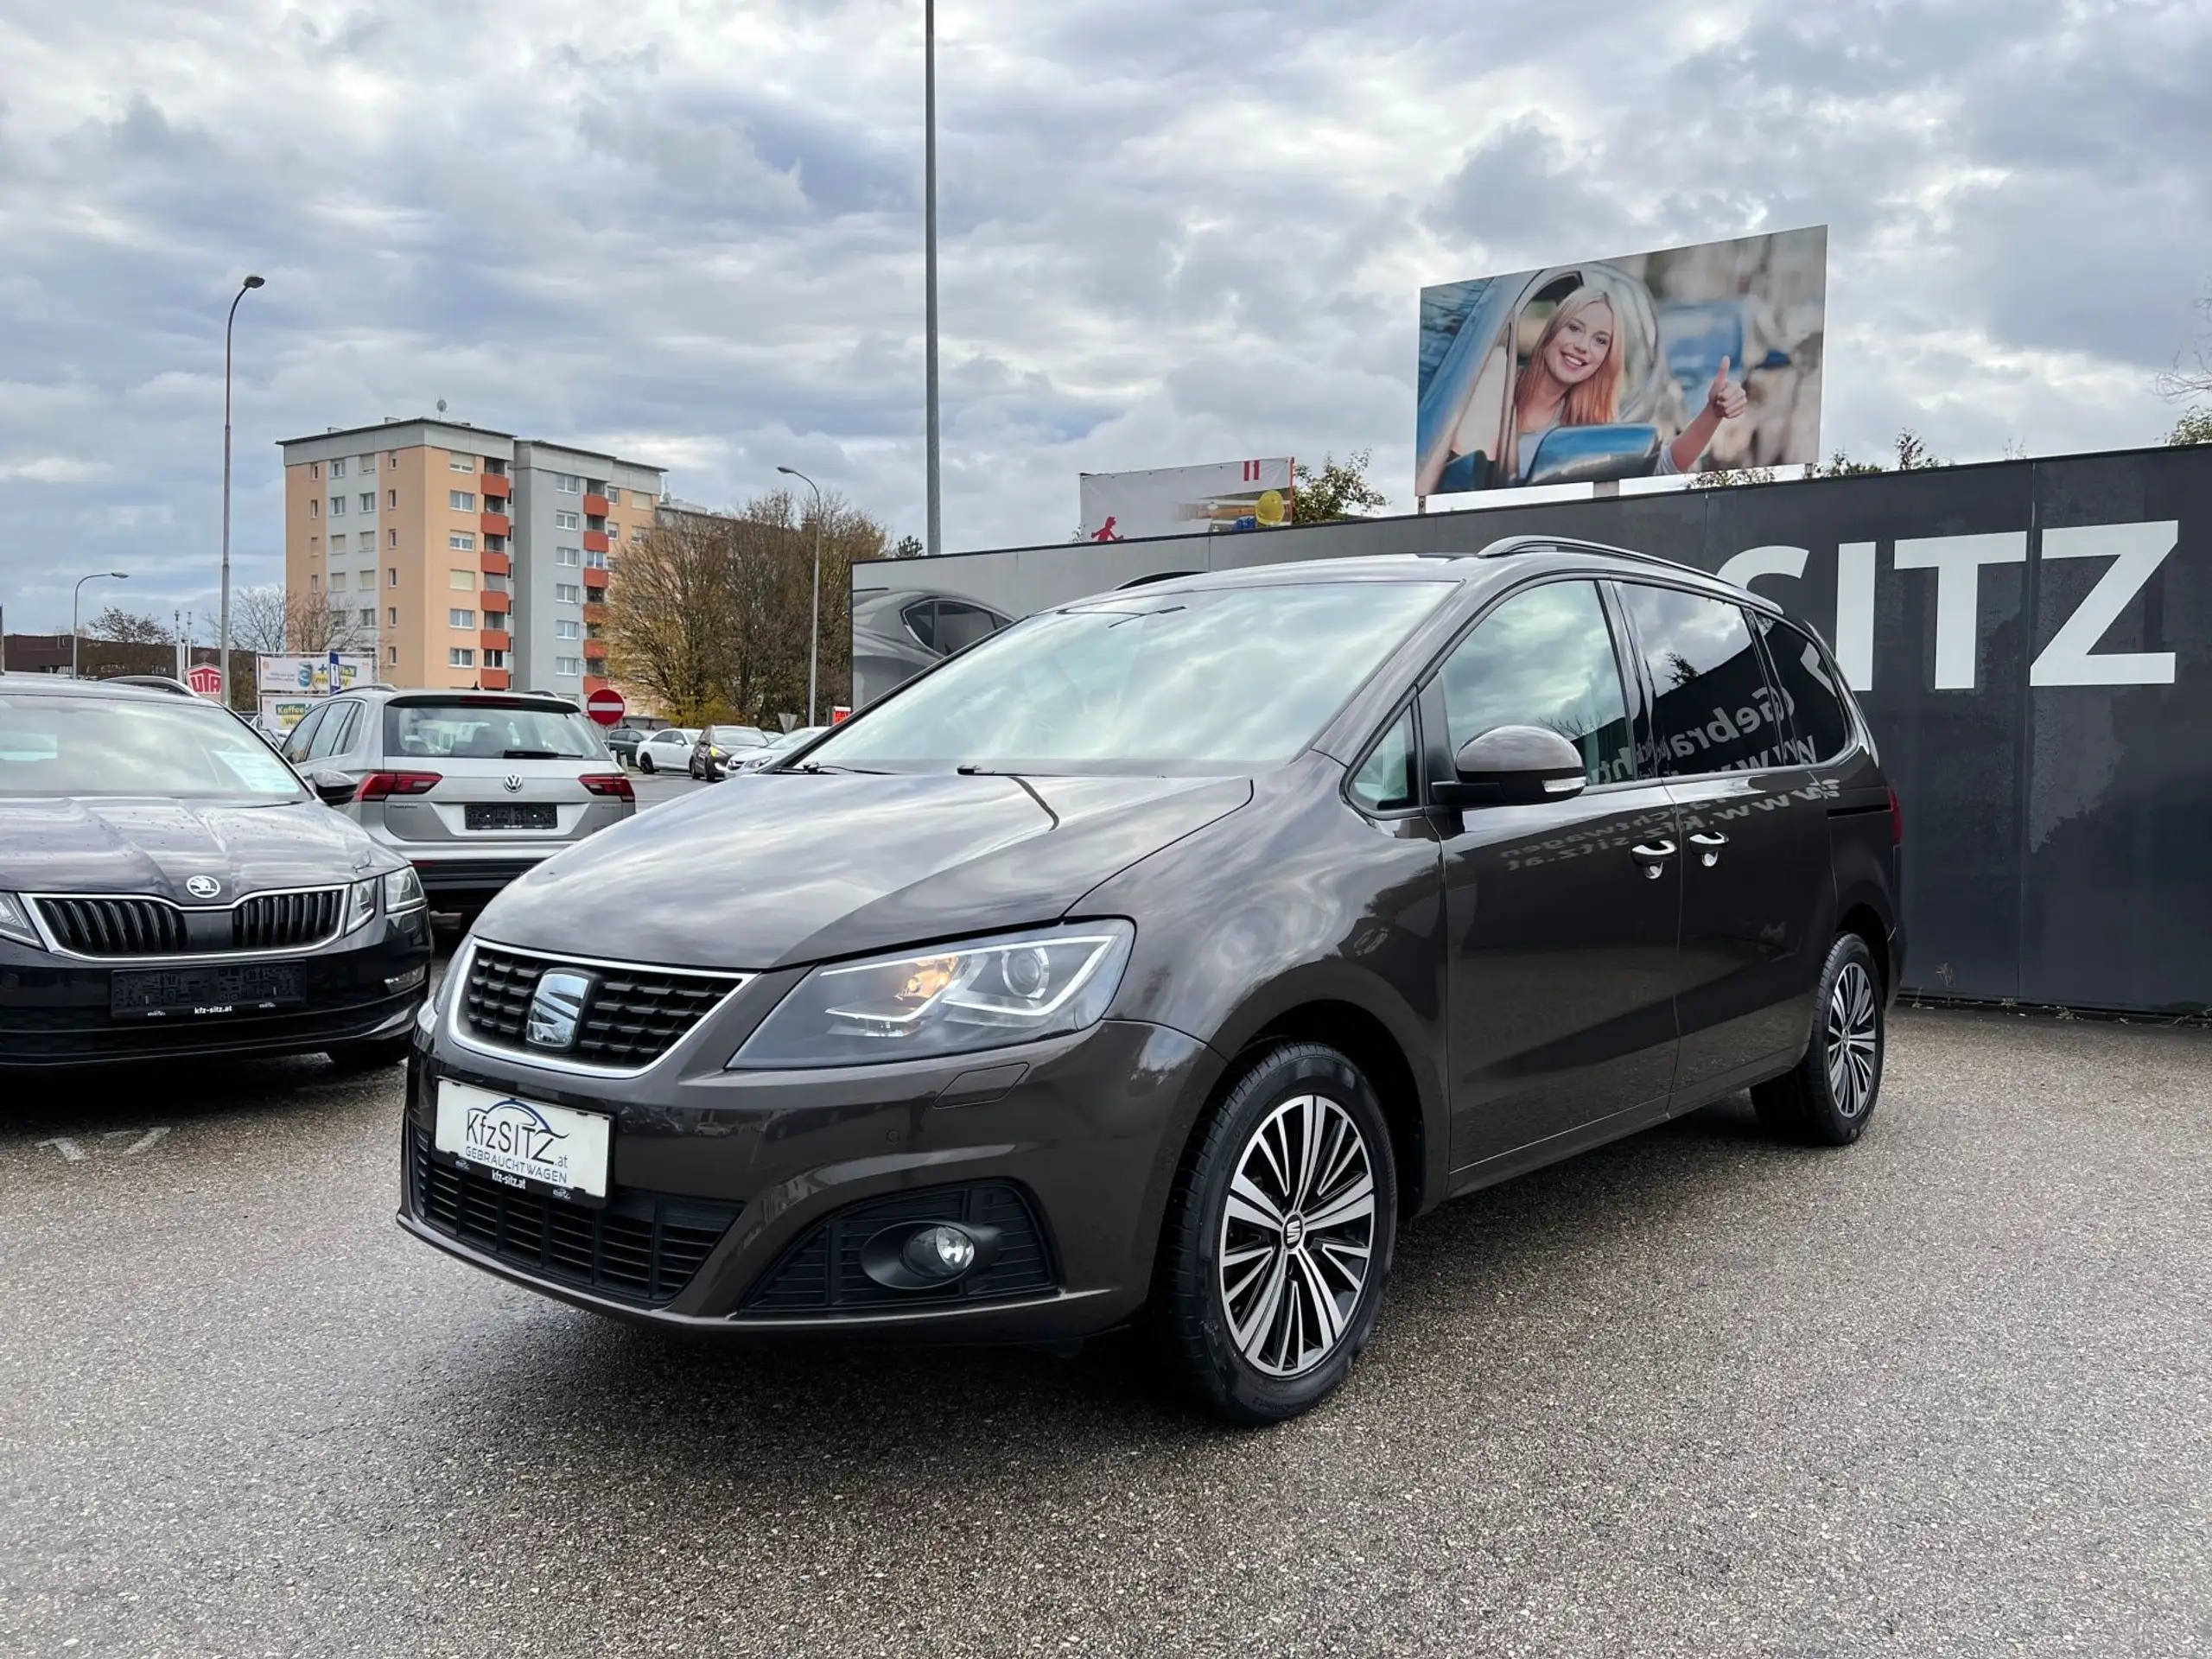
[370, 1057]
[1832, 1093]
[645, 762]
[1198, 1309]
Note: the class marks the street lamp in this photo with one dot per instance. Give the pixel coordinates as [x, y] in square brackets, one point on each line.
[223, 633]
[814, 644]
[77, 593]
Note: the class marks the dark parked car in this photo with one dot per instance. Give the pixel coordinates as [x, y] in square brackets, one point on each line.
[622, 743]
[168, 886]
[1169, 951]
[718, 744]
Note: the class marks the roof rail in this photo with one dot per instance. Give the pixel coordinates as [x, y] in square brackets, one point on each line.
[1505, 544]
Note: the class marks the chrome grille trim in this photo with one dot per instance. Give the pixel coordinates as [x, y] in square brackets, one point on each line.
[456, 1025]
[134, 920]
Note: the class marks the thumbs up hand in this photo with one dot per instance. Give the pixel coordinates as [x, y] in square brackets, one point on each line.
[1725, 398]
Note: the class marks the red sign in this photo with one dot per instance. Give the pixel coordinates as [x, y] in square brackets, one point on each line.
[606, 706]
[206, 679]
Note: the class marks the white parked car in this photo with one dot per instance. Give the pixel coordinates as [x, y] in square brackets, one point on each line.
[669, 749]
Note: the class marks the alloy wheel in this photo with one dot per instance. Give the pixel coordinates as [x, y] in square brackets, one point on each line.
[1853, 1039]
[1297, 1235]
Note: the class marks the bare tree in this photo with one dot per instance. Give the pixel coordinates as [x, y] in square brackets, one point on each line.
[258, 620]
[2191, 374]
[271, 622]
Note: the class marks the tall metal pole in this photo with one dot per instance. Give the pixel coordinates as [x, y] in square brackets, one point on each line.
[814, 643]
[936, 537]
[76, 597]
[223, 631]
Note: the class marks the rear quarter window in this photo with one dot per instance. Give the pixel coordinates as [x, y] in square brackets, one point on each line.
[1811, 697]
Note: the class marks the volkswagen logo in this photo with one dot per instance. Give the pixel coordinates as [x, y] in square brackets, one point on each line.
[511, 783]
[202, 887]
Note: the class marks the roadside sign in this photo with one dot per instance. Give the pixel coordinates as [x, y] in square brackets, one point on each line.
[839, 715]
[606, 706]
[206, 679]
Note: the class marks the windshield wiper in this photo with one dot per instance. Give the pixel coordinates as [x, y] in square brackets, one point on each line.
[976, 769]
[536, 754]
[824, 766]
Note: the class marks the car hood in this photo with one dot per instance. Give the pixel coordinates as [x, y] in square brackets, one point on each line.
[155, 846]
[791, 867]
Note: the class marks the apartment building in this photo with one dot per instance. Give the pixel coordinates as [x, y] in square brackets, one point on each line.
[463, 557]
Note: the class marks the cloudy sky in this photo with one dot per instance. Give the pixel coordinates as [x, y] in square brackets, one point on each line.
[690, 231]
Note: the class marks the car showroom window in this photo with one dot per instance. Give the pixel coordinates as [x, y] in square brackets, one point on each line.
[1544, 657]
[1713, 708]
[1179, 682]
[1819, 729]
[1384, 781]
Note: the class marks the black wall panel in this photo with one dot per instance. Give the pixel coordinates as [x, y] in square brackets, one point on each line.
[2032, 641]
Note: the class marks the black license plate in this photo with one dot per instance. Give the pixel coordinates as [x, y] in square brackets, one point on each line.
[509, 815]
[187, 993]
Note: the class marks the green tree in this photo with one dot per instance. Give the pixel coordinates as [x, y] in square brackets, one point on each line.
[127, 628]
[2194, 427]
[1339, 490]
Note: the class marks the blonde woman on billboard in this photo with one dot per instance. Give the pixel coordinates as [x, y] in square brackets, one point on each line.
[1573, 379]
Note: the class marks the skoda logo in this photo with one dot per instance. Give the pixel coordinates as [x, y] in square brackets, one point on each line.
[511, 783]
[202, 887]
[556, 1007]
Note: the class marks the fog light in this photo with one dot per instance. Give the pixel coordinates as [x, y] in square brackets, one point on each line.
[940, 1253]
[408, 981]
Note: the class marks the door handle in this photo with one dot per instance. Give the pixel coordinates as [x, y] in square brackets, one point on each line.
[1653, 854]
[1710, 840]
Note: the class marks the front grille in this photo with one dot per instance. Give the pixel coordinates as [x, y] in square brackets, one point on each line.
[640, 1247]
[280, 921]
[632, 1017]
[821, 1272]
[116, 927]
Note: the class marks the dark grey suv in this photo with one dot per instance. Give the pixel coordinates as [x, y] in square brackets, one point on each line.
[1164, 953]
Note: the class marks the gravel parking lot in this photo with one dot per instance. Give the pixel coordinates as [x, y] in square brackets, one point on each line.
[1949, 1391]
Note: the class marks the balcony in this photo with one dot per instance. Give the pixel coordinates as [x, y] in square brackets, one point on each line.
[498, 523]
[594, 651]
[595, 578]
[598, 505]
[496, 564]
[497, 639]
[595, 541]
[595, 611]
[595, 682]
[495, 487]
[494, 679]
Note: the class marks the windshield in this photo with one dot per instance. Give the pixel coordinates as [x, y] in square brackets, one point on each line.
[478, 728]
[1233, 678]
[179, 748]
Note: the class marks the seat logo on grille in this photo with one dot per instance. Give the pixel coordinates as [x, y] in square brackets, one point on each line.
[557, 1007]
[511, 783]
[202, 887]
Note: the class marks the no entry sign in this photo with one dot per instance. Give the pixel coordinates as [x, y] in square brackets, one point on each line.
[606, 706]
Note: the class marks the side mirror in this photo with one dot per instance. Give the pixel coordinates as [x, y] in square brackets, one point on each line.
[335, 788]
[1594, 454]
[1513, 765]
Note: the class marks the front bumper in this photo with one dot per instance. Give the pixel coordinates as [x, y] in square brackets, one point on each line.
[55, 1011]
[1087, 1130]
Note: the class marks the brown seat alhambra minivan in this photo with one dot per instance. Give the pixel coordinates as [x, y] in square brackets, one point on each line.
[1160, 956]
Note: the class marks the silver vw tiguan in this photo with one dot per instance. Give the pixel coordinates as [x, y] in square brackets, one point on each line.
[473, 788]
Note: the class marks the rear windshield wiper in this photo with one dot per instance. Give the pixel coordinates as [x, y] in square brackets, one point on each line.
[536, 754]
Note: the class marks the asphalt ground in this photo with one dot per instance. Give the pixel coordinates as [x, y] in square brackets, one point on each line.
[1947, 1392]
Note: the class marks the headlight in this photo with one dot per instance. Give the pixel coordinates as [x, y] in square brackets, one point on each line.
[950, 999]
[363, 905]
[15, 921]
[403, 890]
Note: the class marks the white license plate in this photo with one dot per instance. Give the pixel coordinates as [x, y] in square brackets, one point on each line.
[525, 1140]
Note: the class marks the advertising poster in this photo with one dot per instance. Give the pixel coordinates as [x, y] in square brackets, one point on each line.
[302, 676]
[1685, 360]
[1229, 495]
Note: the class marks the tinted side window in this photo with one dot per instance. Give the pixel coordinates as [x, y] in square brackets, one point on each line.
[296, 740]
[1384, 782]
[959, 625]
[1544, 657]
[921, 622]
[1810, 697]
[1714, 710]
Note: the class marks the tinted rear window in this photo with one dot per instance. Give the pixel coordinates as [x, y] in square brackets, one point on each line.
[1809, 694]
[473, 730]
[1714, 711]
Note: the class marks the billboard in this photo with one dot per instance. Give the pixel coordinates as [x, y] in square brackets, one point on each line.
[299, 677]
[1685, 360]
[1176, 500]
